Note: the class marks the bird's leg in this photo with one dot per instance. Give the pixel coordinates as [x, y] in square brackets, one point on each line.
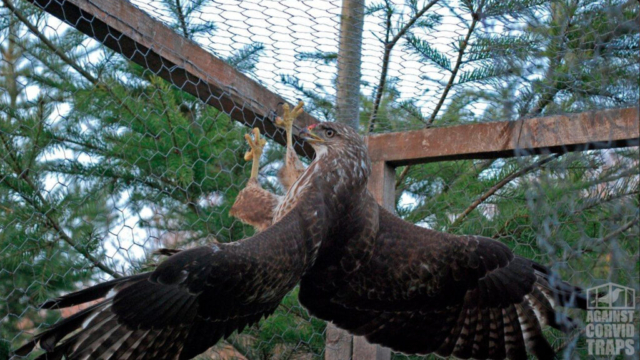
[256, 144]
[287, 119]
[293, 167]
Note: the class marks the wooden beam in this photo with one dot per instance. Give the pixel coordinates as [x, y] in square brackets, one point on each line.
[124, 28]
[553, 134]
[382, 184]
[338, 344]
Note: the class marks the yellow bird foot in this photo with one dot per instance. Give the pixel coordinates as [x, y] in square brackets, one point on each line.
[256, 144]
[288, 118]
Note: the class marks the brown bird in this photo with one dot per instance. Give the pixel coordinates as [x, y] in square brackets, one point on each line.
[412, 289]
[254, 205]
[293, 167]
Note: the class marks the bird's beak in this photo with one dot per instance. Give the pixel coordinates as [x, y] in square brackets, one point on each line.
[308, 135]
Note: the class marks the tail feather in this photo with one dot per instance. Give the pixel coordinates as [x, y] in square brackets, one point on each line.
[59, 331]
[497, 346]
[464, 345]
[92, 335]
[449, 344]
[514, 342]
[481, 343]
[532, 332]
[60, 351]
[115, 349]
[94, 344]
[562, 292]
[548, 315]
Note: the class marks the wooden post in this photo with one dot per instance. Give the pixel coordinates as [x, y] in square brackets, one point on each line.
[340, 345]
[382, 184]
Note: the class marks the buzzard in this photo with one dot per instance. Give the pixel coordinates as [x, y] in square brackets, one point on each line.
[412, 289]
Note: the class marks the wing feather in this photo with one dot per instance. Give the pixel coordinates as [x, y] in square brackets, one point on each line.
[192, 300]
[424, 291]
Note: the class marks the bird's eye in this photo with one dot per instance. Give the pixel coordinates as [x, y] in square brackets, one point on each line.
[330, 132]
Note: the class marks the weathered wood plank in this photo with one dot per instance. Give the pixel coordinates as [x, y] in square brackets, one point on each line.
[382, 183]
[553, 134]
[124, 28]
[363, 350]
[338, 344]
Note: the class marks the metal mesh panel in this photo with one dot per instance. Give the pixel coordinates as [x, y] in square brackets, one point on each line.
[102, 160]
[576, 213]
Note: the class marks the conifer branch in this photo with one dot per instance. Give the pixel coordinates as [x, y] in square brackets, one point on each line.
[412, 21]
[168, 116]
[551, 91]
[48, 43]
[50, 221]
[402, 175]
[456, 67]
[472, 172]
[95, 81]
[620, 230]
[514, 175]
[383, 73]
[450, 83]
[388, 46]
[182, 20]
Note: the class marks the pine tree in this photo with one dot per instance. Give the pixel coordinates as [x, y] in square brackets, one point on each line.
[93, 146]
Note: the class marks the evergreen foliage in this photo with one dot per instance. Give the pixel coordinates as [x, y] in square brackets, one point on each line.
[101, 161]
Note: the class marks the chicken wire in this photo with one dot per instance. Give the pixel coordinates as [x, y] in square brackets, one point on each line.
[102, 161]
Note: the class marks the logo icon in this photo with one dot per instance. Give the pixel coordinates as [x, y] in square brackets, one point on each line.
[611, 296]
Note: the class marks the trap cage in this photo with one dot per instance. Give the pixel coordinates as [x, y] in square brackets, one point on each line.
[122, 123]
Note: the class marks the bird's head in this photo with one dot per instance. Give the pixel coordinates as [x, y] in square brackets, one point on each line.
[329, 135]
[341, 147]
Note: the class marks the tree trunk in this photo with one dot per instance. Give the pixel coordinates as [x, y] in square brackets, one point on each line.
[349, 61]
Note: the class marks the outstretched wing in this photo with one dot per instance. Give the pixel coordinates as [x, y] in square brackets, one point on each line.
[185, 306]
[424, 291]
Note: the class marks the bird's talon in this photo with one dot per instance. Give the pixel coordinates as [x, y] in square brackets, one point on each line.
[289, 116]
[256, 145]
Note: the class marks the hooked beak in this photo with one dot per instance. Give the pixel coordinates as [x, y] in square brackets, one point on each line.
[308, 135]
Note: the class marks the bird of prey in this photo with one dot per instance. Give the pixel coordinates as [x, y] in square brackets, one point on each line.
[412, 289]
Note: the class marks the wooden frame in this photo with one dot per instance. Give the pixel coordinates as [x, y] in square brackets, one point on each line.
[126, 29]
[552, 134]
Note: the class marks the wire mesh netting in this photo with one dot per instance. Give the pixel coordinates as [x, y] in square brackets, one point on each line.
[102, 161]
